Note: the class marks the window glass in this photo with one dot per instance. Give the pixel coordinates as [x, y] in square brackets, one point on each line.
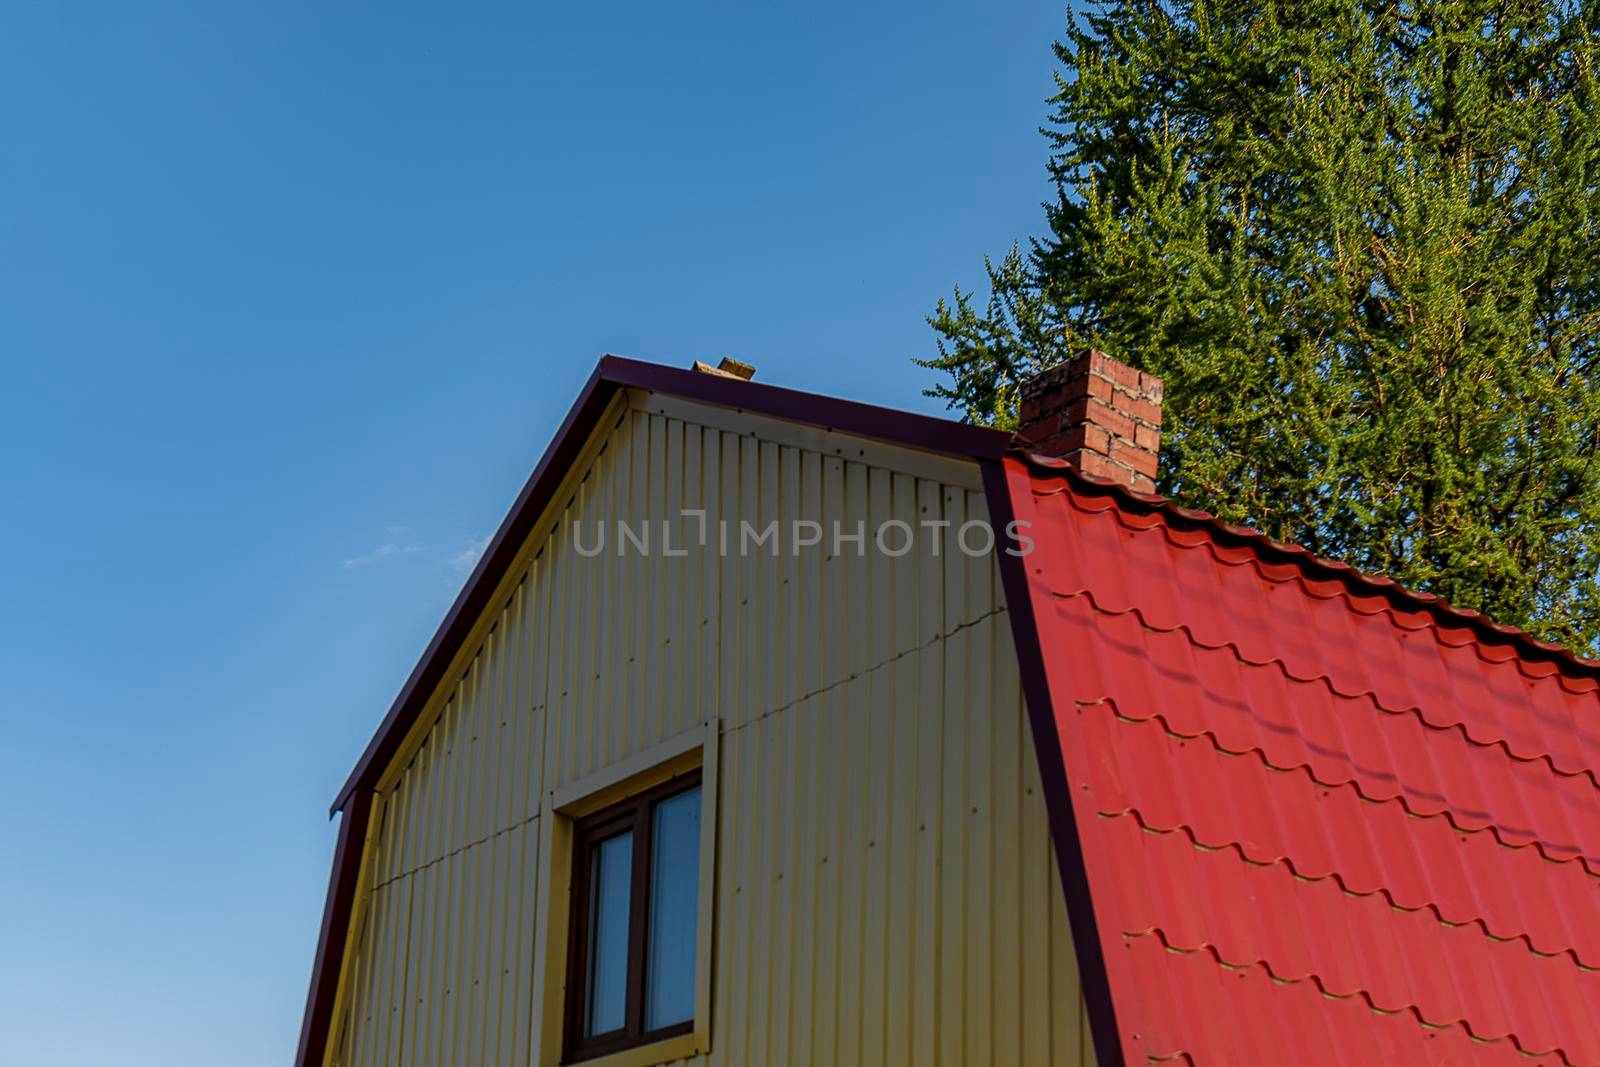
[674, 905]
[610, 884]
[636, 902]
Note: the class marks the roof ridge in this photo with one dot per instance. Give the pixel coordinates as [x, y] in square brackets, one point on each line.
[1306, 582]
[1362, 694]
[1484, 627]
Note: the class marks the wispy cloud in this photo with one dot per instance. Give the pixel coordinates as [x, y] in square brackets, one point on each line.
[399, 542]
[387, 550]
[467, 558]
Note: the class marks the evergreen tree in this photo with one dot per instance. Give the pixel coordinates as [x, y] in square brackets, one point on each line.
[1361, 243]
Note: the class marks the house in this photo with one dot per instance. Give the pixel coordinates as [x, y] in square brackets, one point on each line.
[778, 729]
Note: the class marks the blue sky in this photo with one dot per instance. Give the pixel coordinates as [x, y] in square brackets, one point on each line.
[292, 297]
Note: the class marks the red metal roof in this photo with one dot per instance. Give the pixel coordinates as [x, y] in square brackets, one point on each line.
[1302, 815]
[1321, 820]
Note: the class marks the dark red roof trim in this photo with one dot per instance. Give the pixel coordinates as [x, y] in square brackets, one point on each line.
[610, 374]
[1086, 942]
[336, 912]
[613, 373]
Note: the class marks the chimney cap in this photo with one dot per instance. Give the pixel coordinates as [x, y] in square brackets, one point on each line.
[727, 368]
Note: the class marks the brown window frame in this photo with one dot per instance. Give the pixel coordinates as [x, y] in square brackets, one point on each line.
[633, 813]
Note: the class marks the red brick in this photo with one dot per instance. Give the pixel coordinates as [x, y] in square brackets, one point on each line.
[1147, 437]
[1033, 435]
[1073, 436]
[1037, 438]
[1074, 388]
[1062, 395]
[1109, 419]
[1137, 407]
[1118, 372]
[1095, 361]
[1056, 444]
[1101, 467]
[1139, 459]
[1099, 387]
[1095, 464]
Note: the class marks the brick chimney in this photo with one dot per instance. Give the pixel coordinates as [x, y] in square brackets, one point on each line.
[1102, 416]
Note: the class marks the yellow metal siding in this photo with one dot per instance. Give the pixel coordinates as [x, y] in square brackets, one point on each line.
[885, 888]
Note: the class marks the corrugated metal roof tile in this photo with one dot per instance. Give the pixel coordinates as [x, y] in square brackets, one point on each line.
[1323, 820]
[1387, 754]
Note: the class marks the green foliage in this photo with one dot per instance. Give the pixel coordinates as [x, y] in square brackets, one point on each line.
[1361, 243]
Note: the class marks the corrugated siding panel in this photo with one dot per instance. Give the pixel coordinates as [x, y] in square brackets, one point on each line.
[886, 890]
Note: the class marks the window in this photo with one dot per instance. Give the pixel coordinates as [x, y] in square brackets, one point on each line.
[628, 881]
[635, 892]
